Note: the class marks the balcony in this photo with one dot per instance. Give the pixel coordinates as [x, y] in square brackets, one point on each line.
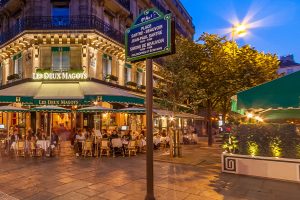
[3, 2]
[62, 23]
[160, 7]
[125, 4]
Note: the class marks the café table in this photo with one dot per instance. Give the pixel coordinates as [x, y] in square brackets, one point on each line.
[43, 144]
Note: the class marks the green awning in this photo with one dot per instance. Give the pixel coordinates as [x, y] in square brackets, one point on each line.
[281, 114]
[105, 56]
[132, 110]
[140, 70]
[95, 109]
[128, 65]
[53, 109]
[283, 92]
[12, 109]
[17, 56]
[66, 93]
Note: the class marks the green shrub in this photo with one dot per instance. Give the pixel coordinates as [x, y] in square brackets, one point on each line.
[231, 144]
[271, 140]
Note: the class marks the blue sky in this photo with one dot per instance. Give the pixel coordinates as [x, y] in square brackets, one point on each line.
[274, 24]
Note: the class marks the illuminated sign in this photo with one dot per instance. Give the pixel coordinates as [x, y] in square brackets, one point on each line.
[57, 102]
[60, 76]
[150, 36]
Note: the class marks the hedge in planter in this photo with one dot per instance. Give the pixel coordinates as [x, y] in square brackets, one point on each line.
[271, 140]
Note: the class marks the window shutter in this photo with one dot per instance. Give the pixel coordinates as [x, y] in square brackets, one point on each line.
[46, 57]
[75, 56]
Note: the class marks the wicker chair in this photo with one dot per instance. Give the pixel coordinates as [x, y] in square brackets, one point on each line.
[117, 146]
[132, 147]
[20, 148]
[88, 148]
[104, 149]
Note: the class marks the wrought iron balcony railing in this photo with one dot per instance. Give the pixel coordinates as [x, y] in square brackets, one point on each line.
[125, 4]
[62, 23]
[3, 2]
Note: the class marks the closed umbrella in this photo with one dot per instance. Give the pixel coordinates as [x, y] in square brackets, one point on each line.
[11, 109]
[132, 110]
[96, 109]
[51, 109]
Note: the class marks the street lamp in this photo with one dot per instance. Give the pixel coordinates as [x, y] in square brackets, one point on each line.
[239, 30]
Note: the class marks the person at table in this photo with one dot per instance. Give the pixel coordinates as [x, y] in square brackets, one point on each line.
[85, 133]
[41, 134]
[97, 133]
[80, 138]
[127, 137]
[15, 137]
[114, 134]
[54, 139]
[104, 134]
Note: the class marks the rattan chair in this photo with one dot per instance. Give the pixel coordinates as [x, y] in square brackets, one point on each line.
[117, 146]
[88, 148]
[132, 147]
[20, 148]
[104, 148]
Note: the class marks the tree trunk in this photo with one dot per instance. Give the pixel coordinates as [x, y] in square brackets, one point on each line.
[209, 124]
[224, 114]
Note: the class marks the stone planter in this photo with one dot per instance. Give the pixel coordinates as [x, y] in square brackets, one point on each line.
[267, 167]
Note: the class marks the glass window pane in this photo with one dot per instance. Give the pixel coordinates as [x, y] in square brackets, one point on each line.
[65, 60]
[1, 74]
[19, 61]
[109, 67]
[139, 78]
[128, 74]
[104, 67]
[56, 65]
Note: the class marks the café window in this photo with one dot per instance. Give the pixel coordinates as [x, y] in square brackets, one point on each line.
[106, 63]
[17, 60]
[139, 77]
[60, 58]
[60, 13]
[127, 73]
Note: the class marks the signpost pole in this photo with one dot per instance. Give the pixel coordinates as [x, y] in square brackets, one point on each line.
[149, 118]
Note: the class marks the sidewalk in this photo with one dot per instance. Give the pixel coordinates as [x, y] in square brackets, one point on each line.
[198, 154]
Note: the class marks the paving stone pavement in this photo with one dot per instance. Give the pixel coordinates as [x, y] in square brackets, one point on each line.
[195, 176]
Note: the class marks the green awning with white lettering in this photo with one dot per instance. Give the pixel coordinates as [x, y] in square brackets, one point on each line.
[66, 93]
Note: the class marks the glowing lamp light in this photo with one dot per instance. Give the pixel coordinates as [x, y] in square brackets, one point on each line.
[240, 30]
[171, 118]
[259, 119]
[163, 118]
[249, 115]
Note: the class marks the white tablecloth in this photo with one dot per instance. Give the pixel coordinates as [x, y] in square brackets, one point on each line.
[44, 144]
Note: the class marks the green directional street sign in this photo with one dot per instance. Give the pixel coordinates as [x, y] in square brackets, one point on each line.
[150, 36]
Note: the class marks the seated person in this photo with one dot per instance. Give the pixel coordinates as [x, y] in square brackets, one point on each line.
[114, 134]
[80, 138]
[156, 140]
[127, 137]
[54, 139]
[104, 134]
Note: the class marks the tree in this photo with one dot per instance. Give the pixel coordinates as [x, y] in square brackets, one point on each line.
[210, 72]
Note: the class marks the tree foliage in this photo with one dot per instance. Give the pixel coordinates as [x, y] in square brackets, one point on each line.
[208, 73]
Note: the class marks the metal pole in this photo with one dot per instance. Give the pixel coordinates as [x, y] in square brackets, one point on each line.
[149, 118]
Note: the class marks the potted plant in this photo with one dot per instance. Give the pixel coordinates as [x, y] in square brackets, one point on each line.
[131, 84]
[142, 87]
[13, 77]
[110, 77]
